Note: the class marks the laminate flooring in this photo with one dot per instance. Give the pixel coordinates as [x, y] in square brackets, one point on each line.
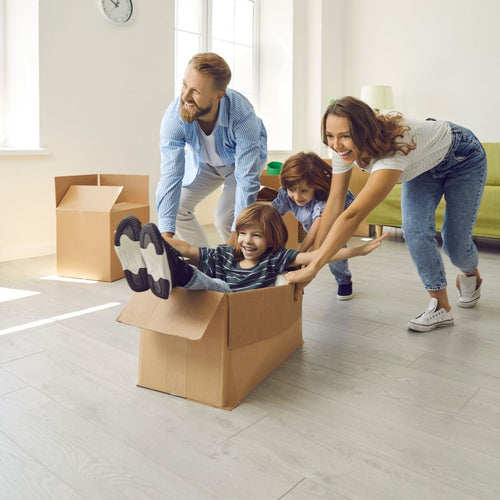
[366, 409]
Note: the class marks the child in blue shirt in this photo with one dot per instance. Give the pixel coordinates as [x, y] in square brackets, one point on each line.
[152, 262]
[305, 186]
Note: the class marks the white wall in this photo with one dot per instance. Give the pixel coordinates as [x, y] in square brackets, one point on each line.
[104, 88]
[441, 57]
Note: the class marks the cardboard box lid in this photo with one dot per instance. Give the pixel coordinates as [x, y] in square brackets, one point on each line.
[185, 314]
[63, 183]
[135, 188]
[90, 198]
[253, 316]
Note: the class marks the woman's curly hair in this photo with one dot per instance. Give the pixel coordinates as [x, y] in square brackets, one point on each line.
[374, 135]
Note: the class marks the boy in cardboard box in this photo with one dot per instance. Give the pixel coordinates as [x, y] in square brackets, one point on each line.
[150, 262]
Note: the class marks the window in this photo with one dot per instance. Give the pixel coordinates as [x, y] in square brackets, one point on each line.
[19, 101]
[226, 27]
[264, 75]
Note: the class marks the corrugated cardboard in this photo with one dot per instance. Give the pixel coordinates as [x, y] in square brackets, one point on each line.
[88, 210]
[211, 347]
[293, 226]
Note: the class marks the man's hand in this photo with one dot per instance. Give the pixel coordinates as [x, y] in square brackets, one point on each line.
[167, 235]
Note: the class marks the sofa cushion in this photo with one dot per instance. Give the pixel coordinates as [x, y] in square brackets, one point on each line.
[493, 155]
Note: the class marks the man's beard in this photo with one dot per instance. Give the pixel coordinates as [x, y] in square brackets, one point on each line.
[190, 115]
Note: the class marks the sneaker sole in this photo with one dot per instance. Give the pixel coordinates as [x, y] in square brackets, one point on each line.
[428, 328]
[128, 250]
[153, 251]
[344, 297]
[469, 304]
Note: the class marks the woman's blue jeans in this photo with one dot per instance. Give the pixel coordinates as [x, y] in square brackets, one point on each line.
[460, 178]
[340, 268]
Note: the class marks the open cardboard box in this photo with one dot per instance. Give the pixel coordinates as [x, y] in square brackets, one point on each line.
[212, 347]
[88, 210]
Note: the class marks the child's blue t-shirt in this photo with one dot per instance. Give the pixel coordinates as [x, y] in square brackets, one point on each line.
[307, 213]
[220, 263]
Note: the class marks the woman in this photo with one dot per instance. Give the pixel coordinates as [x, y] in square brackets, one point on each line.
[431, 159]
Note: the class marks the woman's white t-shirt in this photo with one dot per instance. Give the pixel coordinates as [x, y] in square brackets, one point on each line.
[433, 140]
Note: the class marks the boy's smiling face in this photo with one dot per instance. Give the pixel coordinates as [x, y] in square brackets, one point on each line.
[253, 243]
[301, 194]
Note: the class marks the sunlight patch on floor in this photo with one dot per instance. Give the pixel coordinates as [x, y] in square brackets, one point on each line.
[14, 293]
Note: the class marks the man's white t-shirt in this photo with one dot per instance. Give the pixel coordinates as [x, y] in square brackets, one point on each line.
[208, 151]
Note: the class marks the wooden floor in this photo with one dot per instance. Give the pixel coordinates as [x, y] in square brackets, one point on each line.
[365, 410]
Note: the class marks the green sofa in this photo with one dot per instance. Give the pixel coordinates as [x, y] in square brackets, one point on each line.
[388, 213]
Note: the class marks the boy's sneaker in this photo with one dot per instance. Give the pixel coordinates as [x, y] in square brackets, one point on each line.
[469, 290]
[344, 292]
[165, 265]
[128, 250]
[431, 318]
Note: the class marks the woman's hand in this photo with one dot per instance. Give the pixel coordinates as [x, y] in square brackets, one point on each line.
[301, 278]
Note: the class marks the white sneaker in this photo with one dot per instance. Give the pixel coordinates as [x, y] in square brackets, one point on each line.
[469, 290]
[431, 318]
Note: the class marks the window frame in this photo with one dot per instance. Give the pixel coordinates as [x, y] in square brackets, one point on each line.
[206, 45]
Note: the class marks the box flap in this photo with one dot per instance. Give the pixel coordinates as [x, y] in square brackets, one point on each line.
[261, 314]
[90, 198]
[63, 183]
[186, 313]
[135, 187]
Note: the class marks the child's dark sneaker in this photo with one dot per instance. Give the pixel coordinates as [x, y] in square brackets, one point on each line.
[344, 292]
[166, 268]
[128, 250]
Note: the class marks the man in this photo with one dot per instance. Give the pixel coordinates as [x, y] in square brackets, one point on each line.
[209, 135]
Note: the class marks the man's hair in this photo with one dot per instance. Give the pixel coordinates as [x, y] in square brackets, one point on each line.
[308, 168]
[213, 65]
[269, 220]
[372, 134]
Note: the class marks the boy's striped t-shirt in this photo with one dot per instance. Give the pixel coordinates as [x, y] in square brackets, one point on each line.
[220, 263]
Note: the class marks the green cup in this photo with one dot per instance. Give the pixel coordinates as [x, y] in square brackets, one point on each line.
[274, 168]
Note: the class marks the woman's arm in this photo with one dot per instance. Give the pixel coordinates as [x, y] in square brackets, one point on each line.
[377, 187]
[308, 241]
[334, 205]
[305, 258]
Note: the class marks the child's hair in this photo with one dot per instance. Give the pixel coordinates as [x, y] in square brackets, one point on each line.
[268, 219]
[308, 168]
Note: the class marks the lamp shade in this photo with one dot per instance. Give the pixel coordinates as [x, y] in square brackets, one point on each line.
[378, 97]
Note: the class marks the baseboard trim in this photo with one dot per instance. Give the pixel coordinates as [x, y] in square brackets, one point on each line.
[27, 251]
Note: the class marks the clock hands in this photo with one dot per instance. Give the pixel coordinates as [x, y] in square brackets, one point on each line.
[116, 4]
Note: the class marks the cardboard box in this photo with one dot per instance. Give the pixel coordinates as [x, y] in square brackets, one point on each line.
[211, 347]
[88, 210]
[293, 226]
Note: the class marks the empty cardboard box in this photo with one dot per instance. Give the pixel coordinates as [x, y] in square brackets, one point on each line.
[88, 210]
[211, 347]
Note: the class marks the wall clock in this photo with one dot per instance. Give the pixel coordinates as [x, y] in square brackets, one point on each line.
[116, 11]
